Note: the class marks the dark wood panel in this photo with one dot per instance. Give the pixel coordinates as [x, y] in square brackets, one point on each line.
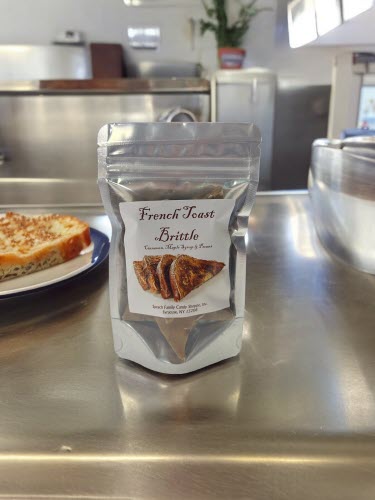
[107, 60]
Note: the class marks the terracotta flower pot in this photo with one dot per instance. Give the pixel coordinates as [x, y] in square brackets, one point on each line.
[231, 57]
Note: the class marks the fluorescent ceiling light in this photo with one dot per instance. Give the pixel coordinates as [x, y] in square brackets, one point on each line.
[352, 8]
[328, 15]
[301, 22]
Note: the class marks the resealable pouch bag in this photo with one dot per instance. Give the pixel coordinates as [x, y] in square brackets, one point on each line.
[179, 197]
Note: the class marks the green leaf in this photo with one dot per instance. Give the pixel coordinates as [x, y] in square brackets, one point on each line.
[209, 10]
[230, 36]
[207, 26]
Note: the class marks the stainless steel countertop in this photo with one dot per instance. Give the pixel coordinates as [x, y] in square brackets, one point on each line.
[48, 191]
[292, 418]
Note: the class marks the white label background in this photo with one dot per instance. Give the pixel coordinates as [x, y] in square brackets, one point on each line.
[210, 296]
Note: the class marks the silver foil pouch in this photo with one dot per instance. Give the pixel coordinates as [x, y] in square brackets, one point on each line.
[179, 197]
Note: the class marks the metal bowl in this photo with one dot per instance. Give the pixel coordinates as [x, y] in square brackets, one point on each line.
[342, 192]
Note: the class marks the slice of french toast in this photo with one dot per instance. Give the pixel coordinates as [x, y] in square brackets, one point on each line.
[187, 273]
[163, 274]
[33, 243]
[140, 273]
[150, 264]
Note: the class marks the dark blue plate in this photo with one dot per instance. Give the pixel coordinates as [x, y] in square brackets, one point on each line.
[99, 254]
[101, 247]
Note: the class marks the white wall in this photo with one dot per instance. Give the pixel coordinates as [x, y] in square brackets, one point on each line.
[39, 21]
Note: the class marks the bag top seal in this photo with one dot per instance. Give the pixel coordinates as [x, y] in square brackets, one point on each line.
[127, 133]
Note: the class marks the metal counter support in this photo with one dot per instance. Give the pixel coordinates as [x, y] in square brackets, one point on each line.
[293, 417]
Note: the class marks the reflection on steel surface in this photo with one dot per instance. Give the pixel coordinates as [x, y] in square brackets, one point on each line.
[165, 396]
[299, 230]
[61, 141]
[292, 417]
[342, 191]
[48, 191]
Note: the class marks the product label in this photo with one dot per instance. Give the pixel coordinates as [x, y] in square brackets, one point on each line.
[177, 256]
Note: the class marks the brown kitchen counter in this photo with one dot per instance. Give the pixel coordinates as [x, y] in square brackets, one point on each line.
[109, 85]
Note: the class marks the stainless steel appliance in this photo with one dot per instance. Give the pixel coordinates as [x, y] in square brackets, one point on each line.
[301, 115]
[342, 191]
[30, 122]
[247, 96]
[163, 69]
[43, 62]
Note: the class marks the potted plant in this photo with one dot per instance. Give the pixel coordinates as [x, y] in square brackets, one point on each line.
[228, 36]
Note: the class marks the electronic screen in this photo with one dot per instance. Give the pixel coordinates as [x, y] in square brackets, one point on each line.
[366, 112]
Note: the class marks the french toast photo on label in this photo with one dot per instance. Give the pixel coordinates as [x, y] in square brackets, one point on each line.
[177, 256]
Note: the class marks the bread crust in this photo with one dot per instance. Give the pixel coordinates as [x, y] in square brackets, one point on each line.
[32, 243]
